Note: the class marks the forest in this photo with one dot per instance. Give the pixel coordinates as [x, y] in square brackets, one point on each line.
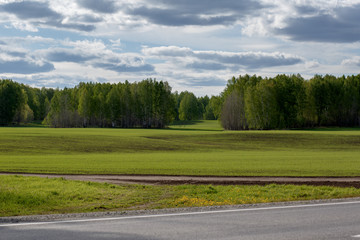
[146, 104]
[247, 102]
[286, 102]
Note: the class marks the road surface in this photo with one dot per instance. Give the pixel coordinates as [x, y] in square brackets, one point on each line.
[336, 220]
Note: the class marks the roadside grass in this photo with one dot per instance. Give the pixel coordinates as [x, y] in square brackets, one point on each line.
[199, 148]
[21, 195]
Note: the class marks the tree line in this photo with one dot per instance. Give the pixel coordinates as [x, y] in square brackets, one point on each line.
[189, 107]
[290, 101]
[20, 103]
[247, 102]
[147, 104]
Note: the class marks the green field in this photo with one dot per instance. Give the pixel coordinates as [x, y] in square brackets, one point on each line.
[199, 148]
[33, 195]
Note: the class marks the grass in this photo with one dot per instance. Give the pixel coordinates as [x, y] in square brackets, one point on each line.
[197, 125]
[199, 148]
[33, 195]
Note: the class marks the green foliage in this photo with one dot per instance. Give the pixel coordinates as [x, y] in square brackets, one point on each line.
[12, 100]
[290, 102]
[62, 111]
[213, 109]
[146, 104]
[290, 93]
[20, 103]
[247, 102]
[189, 107]
[32, 101]
[261, 106]
[233, 115]
[203, 102]
[33, 195]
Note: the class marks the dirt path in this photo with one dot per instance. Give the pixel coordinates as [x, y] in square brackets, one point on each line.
[158, 180]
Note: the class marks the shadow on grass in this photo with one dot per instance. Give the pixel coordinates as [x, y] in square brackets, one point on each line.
[320, 129]
[35, 124]
[194, 129]
[195, 125]
[186, 123]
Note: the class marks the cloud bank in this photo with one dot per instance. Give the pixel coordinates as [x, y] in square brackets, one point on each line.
[218, 60]
[338, 26]
[194, 44]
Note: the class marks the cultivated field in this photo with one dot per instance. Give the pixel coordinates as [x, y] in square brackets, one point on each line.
[201, 148]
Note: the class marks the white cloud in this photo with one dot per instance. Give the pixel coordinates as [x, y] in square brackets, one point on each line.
[116, 44]
[354, 61]
[195, 45]
[20, 61]
[97, 54]
[96, 46]
[168, 51]
[231, 60]
[312, 64]
[24, 26]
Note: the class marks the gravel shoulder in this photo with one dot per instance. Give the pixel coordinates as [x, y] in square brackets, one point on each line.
[215, 180]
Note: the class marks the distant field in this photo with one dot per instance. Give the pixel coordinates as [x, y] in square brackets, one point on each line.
[201, 148]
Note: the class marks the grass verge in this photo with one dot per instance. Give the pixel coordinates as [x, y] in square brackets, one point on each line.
[33, 195]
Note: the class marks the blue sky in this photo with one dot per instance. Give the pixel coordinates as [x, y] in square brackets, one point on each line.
[194, 45]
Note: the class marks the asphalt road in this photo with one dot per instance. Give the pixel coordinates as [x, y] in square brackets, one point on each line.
[339, 220]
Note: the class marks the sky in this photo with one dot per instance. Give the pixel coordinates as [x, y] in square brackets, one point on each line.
[194, 45]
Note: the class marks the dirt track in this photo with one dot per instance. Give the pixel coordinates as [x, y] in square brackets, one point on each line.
[172, 180]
